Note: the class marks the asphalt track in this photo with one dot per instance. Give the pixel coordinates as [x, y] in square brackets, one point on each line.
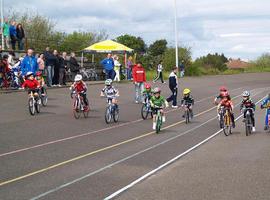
[54, 156]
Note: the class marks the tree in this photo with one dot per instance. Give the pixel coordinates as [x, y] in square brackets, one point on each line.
[214, 61]
[132, 42]
[158, 48]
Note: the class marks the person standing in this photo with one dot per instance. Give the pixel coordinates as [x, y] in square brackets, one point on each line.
[129, 68]
[55, 80]
[41, 63]
[6, 33]
[159, 73]
[49, 65]
[62, 69]
[13, 34]
[29, 63]
[108, 66]
[74, 65]
[117, 67]
[20, 36]
[139, 78]
[173, 85]
[182, 69]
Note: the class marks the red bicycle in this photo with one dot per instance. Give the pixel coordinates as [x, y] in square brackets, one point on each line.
[79, 107]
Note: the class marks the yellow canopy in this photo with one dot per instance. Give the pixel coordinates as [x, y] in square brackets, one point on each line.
[107, 46]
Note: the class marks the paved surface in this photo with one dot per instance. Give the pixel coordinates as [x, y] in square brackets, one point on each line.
[54, 156]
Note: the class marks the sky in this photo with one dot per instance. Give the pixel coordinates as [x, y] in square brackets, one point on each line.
[237, 28]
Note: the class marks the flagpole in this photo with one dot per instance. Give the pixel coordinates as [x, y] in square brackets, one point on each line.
[176, 34]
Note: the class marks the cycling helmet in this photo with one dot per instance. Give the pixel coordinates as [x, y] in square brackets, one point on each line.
[39, 73]
[186, 91]
[147, 86]
[222, 88]
[224, 94]
[108, 82]
[78, 77]
[157, 90]
[29, 74]
[246, 94]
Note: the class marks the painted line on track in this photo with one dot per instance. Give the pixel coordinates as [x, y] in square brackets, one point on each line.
[168, 162]
[97, 151]
[89, 133]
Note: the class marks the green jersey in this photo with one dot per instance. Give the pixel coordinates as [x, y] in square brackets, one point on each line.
[158, 102]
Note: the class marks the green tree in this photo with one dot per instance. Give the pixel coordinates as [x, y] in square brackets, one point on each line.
[158, 48]
[133, 42]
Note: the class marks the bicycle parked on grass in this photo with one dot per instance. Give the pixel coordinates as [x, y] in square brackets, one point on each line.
[33, 103]
[79, 107]
[112, 111]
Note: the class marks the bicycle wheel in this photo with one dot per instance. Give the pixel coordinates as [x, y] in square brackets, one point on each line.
[108, 115]
[248, 125]
[37, 106]
[86, 113]
[31, 106]
[76, 110]
[226, 126]
[187, 116]
[158, 124]
[144, 111]
[116, 115]
[44, 98]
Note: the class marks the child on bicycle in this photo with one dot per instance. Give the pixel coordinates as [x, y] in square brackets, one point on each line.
[31, 83]
[41, 82]
[147, 93]
[80, 87]
[222, 92]
[227, 104]
[247, 104]
[187, 101]
[266, 104]
[110, 92]
[157, 103]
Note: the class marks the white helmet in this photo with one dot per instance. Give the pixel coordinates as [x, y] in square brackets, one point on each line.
[29, 74]
[78, 77]
[246, 94]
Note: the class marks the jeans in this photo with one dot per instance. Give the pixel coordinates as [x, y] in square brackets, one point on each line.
[173, 97]
[62, 73]
[266, 117]
[20, 44]
[139, 87]
[182, 73]
[129, 73]
[50, 75]
[159, 76]
[117, 76]
[110, 74]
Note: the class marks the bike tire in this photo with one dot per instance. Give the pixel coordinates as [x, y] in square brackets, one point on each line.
[86, 114]
[226, 126]
[76, 110]
[44, 99]
[187, 116]
[144, 111]
[37, 106]
[116, 115]
[31, 106]
[248, 125]
[108, 115]
[158, 124]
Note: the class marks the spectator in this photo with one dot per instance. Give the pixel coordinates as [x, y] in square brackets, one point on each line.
[117, 67]
[182, 69]
[108, 65]
[159, 73]
[139, 78]
[13, 34]
[129, 68]
[50, 61]
[55, 81]
[74, 65]
[3, 71]
[62, 69]
[41, 63]
[173, 85]
[6, 33]
[11, 57]
[20, 36]
[29, 63]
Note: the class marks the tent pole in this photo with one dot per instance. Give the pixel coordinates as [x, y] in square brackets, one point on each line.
[125, 60]
[93, 58]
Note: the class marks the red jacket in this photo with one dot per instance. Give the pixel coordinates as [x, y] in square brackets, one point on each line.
[30, 84]
[80, 87]
[138, 74]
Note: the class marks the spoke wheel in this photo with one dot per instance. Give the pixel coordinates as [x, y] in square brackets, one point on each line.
[31, 106]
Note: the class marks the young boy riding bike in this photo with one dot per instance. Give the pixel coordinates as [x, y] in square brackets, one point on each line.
[158, 102]
[247, 104]
[80, 88]
[147, 92]
[110, 92]
[41, 81]
[227, 104]
[187, 101]
[31, 83]
[266, 104]
[222, 93]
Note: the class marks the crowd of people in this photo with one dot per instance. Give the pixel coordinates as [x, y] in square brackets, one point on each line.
[52, 65]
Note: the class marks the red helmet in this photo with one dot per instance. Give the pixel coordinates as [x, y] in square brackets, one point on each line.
[147, 86]
[39, 73]
[223, 88]
[225, 94]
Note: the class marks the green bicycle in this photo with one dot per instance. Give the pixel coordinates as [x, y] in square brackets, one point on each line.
[158, 120]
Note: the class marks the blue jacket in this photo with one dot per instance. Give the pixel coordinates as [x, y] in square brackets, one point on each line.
[107, 63]
[12, 31]
[29, 64]
[266, 102]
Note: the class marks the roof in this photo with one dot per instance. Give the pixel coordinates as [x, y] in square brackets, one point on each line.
[237, 64]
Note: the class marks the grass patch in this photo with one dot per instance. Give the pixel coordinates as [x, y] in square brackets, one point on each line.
[150, 75]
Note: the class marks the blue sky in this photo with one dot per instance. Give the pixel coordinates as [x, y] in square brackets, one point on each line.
[238, 28]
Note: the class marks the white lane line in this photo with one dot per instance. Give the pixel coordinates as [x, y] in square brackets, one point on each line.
[167, 163]
[86, 134]
[122, 160]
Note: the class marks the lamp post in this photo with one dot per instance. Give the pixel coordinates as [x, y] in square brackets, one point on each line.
[176, 34]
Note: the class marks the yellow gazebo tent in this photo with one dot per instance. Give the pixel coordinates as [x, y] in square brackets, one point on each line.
[107, 46]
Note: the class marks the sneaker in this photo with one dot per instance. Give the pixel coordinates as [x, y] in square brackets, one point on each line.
[154, 126]
[233, 125]
[137, 102]
[163, 119]
[253, 129]
[244, 120]
[265, 128]
[183, 116]
[174, 106]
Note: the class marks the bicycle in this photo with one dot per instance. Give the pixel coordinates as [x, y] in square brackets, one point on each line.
[33, 104]
[267, 107]
[43, 97]
[248, 122]
[79, 107]
[111, 112]
[226, 119]
[158, 120]
[146, 109]
[187, 113]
